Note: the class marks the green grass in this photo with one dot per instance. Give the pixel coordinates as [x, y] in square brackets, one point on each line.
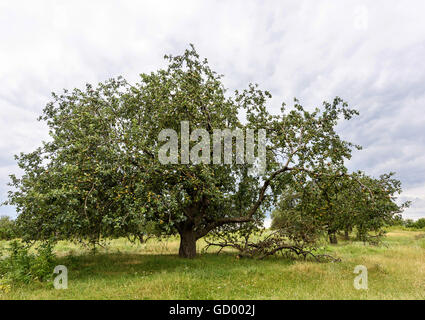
[153, 271]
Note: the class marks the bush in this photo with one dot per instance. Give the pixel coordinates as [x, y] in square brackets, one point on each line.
[7, 228]
[419, 224]
[20, 265]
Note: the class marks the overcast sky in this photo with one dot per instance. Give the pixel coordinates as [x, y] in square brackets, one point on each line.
[371, 53]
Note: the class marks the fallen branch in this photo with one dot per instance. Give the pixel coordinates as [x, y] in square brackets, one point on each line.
[271, 245]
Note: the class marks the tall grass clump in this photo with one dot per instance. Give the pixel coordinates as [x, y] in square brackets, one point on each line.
[19, 265]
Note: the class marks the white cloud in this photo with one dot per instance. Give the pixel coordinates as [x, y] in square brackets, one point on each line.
[267, 223]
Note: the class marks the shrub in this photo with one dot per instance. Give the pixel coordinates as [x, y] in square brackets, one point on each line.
[20, 265]
[7, 228]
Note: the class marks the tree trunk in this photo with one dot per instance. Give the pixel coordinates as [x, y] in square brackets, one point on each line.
[332, 238]
[346, 234]
[187, 244]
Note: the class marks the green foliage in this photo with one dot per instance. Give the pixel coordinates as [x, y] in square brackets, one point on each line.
[7, 228]
[20, 265]
[418, 224]
[342, 202]
[397, 220]
[100, 177]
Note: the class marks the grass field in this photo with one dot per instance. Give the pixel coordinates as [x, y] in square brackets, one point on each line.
[396, 270]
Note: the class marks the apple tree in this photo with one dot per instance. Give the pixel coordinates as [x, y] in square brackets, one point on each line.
[100, 175]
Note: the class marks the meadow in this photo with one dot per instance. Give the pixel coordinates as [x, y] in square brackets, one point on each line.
[122, 270]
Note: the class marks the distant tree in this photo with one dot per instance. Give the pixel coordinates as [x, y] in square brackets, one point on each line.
[7, 228]
[100, 175]
[418, 224]
[341, 203]
[380, 204]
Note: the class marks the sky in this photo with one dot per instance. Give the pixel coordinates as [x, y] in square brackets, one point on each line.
[370, 53]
